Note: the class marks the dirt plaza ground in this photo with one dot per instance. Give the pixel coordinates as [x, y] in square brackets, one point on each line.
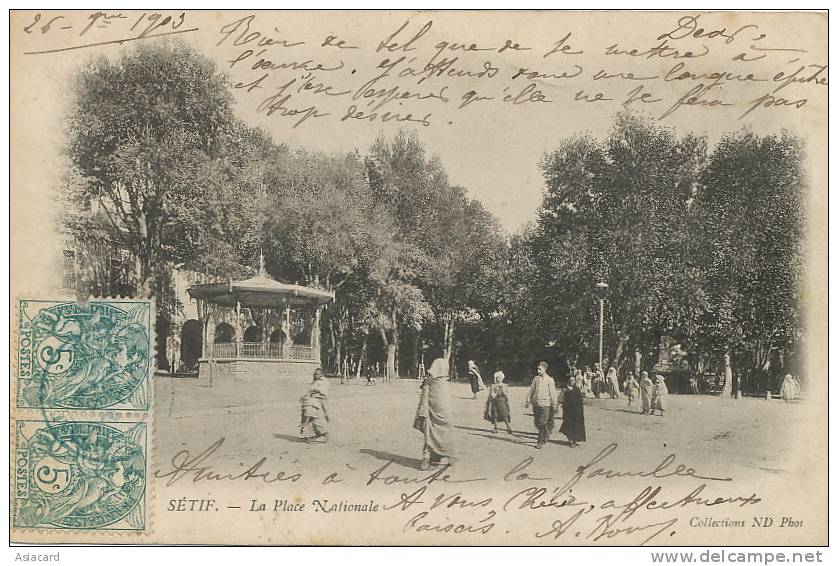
[374, 422]
[207, 438]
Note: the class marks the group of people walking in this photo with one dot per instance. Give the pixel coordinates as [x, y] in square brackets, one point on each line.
[596, 383]
[545, 397]
[651, 394]
[434, 416]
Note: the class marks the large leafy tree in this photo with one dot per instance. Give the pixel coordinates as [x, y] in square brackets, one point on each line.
[706, 249]
[318, 218]
[451, 239]
[464, 245]
[319, 228]
[503, 334]
[615, 211]
[752, 215]
[645, 235]
[398, 304]
[404, 186]
[143, 130]
[566, 259]
[217, 225]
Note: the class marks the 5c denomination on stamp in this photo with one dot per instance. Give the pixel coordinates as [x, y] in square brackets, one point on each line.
[84, 356]
[80, 475]
[81, 416]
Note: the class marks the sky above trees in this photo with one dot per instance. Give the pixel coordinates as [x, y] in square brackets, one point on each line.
[487, 149]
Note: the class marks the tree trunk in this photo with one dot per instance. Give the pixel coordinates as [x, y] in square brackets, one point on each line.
[339, 355]
[340, 331]
[391, 361]
[618, 354]
[448, 337]
[452, 367]
[333, 349]
[390, 344]
[148, 256]
[638, 362]
[395, 373]
[139, 277]
[362, 358]
[446, 347]
[727, 390]
[414, 351]
[762, 364]
[703, 358]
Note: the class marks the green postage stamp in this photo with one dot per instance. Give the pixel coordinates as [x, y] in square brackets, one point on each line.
[90, 356]
[81, 420]
[80, 475]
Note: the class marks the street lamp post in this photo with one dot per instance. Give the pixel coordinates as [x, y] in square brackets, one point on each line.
[601, 291]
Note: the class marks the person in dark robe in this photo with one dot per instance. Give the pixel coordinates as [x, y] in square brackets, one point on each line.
[475, 379]
[434, 416]
[573, 413]
[599, 385]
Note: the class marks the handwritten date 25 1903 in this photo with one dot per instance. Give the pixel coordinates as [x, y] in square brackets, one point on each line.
[147, 25]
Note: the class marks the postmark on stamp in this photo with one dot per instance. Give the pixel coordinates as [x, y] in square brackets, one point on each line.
[80, 475]
[84, 356]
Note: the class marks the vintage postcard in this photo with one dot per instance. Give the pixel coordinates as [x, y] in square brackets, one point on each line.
[418, 278]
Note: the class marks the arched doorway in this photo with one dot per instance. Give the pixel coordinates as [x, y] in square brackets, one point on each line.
[253, 334]
[224, 336]
[277, 337]
[224, 333]
[191, 344]
[303, 338]
[161, 331]
[276, 343]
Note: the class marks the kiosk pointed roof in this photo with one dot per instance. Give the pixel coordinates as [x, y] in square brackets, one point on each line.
[260, 290]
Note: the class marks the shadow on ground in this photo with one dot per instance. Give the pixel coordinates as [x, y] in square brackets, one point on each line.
[620, 410]
[523, 438]
[290, 438]
[405, 461]
[491, 434]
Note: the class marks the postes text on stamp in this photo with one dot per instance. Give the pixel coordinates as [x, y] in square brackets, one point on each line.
[80, 475]
[84, 356]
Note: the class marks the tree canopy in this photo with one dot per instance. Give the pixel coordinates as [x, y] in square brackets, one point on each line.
[700, 244]
[702, 247]
[144, 134]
